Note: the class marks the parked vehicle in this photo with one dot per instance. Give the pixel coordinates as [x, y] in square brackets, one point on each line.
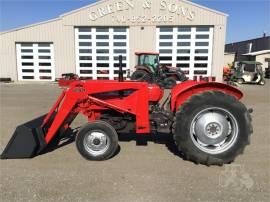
[207, 121]
[150, 70]
[248, 72]
[267, 73]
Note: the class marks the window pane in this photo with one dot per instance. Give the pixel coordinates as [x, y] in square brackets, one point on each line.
[165, 44]
[119, 51]
[44, 57]
[28, 77]
[85, 44]
[117, 58]
[201, 51]
[86, 71]
[200, 65]
[165, 58]
[85, 37]
[102, 51]
[26, 45]
[185, 51]
[120, 29]
[165, 36]
[102, 36]
[120, 44]
[27, 57]
[102, 65]
[28, 70]
[44, 51]
[119, 36]
[183, 65]
[44, 64]
[27, 51]
[184, 37]
[84, 29]
[102, 57]
[200, 72]
[43, 45]
[202, 44]
[165, 51]
[202, 36]
[102, 43]
[45, 71]
[202, 29]
[201, 58]
[166, 29]
[183, 58]
[27, 64]
[85, 51]
[183, 44]
[85, 57]
[85, 64]
[184, 29]
[102, 30]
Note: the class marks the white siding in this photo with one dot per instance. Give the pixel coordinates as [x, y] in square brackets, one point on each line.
[142, 34]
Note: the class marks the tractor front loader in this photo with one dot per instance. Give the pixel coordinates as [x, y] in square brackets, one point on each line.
[206, 119]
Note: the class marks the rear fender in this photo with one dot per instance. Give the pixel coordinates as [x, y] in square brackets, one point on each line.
[183, 91]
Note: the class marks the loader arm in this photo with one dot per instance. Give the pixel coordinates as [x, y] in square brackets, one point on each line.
[89, 98]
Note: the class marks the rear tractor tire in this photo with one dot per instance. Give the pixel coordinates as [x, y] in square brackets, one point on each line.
[170, 82]
[97, 141]
[212, 128]
[140, 75]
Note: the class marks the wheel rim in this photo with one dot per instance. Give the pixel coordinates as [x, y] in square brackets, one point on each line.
[240, 81]
[96, 143]
[214, 130]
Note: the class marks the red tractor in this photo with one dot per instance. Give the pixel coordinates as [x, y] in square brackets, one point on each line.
[206, 119]
[150, 70]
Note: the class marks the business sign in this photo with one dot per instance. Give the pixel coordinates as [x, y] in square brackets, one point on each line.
[114, 10]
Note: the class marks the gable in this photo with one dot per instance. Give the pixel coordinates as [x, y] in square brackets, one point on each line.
[143, 12]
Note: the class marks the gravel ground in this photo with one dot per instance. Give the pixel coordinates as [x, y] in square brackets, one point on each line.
[136, 173]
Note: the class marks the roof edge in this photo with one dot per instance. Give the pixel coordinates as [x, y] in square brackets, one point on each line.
[102, 1]
[258, 38]
[30, 25]
[206, 8]
[258, 52]
[93, 4]
[81, 8]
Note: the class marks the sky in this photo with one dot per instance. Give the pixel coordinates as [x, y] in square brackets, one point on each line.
[247, 18]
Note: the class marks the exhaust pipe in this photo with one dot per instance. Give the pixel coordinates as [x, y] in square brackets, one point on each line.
[121, 74]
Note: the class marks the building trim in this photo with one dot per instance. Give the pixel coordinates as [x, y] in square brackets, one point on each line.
[91, 5]
[103, 1]
[30, 25]
[258, 53]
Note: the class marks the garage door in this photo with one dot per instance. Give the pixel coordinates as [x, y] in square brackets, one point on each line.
[35, 61]
[98, 50]
[189, 48]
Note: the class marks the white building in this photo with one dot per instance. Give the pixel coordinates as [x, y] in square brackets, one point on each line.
[90, 39]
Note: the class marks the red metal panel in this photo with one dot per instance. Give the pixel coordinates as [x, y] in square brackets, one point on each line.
[80, 97]
[183, 91]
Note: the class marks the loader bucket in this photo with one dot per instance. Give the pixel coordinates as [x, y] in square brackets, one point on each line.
[27, 141]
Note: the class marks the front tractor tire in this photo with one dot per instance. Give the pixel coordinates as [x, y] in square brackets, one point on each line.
[212, 128]
[97, 141]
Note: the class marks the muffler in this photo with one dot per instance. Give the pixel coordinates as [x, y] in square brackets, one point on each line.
[27, 141]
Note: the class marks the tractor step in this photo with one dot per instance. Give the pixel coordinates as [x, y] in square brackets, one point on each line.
[27, 141]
